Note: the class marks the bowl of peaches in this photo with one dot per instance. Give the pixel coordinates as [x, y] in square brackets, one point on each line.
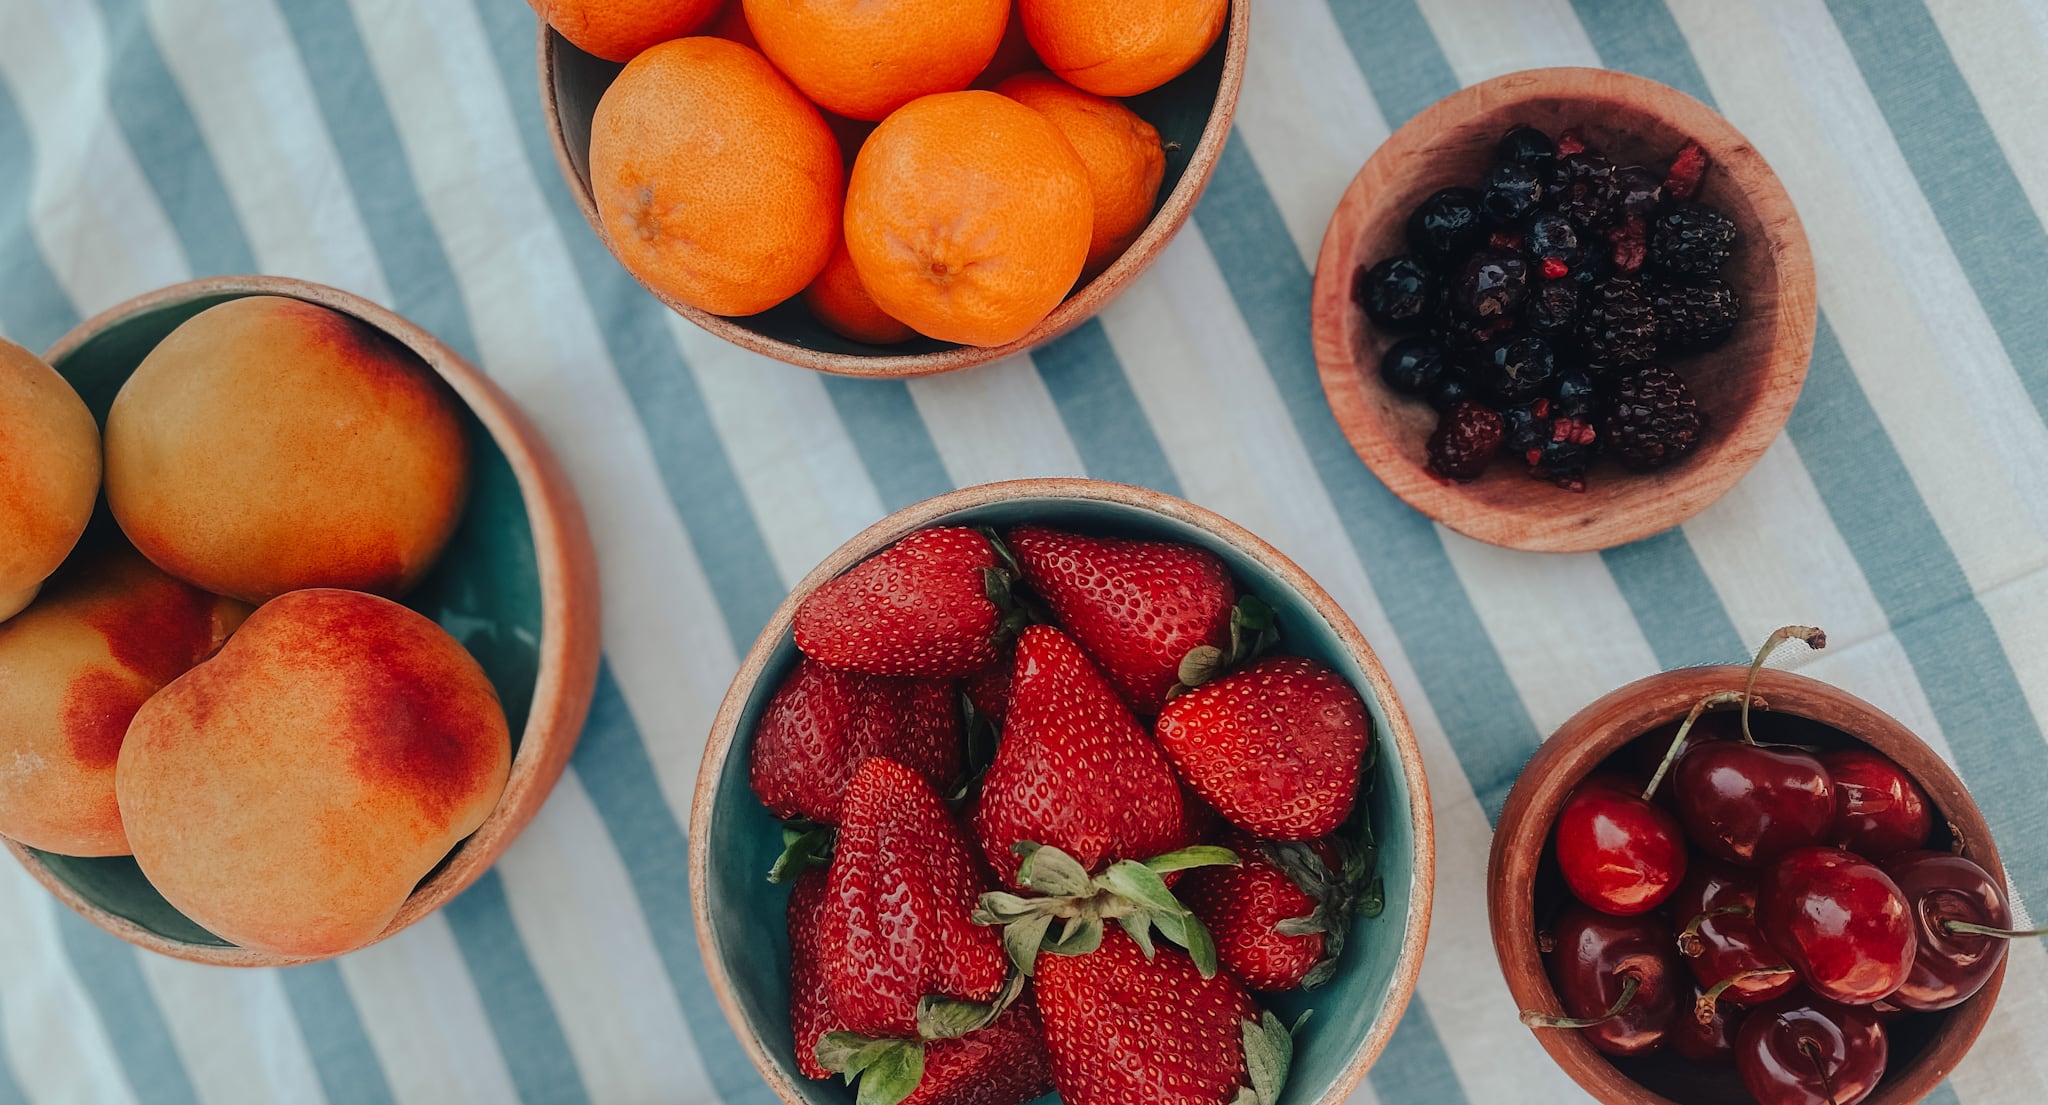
[300, 622]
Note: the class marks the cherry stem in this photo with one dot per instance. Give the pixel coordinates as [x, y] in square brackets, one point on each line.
[1689, 936]
[1703, 1009]
[1721, 698]
[1812, 1053]
[1629, 988]
[1975, 929]
[1814, 637]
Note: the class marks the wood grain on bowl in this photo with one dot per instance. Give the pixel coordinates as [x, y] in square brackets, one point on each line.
[1746, 388]
[1600, 730]
[544, 666]
[732, 838]
[1194, 111]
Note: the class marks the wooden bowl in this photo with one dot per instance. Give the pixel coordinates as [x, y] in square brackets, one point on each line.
[733, 839]
[1192, 113]
[1746, 388]
[517, 585]
[1921, 1055]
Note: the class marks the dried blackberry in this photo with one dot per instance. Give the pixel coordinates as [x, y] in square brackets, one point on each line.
[1446, 227]
[1412, 366]
[1509, 193]
[1638, 191]
[1525, 145]
[1526, 427]
[1575, 395]
[1396, 294]
[1695, 316]
[1515, 369]
[1652, 419]
[1591, 195]
[1691, 238]
[1464, 442]
[1553, 309]
[1618, 326]
[1491, 286]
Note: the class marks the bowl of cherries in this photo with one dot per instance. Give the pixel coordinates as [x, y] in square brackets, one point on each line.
[1723, 885]
[1563, 309]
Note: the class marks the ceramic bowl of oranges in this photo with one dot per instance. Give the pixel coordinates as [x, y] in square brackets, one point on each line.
[888, 190]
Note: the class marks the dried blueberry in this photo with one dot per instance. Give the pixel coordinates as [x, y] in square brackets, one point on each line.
[1517, 368]
[1446, 227]
[1452, 388]
[1412, 366]
[1638, 190]
[1525, 145]
[1508, 193]
[1553, 309]
[1552, 237]
[1574, 395]
[1491, 286]
[1396, 294]
[1527, 428]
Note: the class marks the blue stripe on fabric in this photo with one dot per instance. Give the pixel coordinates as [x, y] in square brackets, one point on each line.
[611, 760]
[1961, 169]
[891, 438]
[521, 1016]
[159, 127]
[1102, 414]
[1641, 37]
[694, 466]
[128, 1011]
[1942, 1094]
[1674, 602]
[1415, 1066]
[11, 1092]
[350, 1072]
[1458, 663]
[423, 284]
[1397, 54]
[36, 308]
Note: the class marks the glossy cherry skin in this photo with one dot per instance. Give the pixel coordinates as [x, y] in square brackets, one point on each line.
[1785, 1047]
[1619, 854]
[1712, 1042]
[1840, 921]
[1879, 809]
[1592, 958]
[1725, 946]
[1948, 967]
[1748, 804]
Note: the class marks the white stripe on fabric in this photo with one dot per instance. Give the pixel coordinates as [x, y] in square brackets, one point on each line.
[421, 1011]
[236, 1032]
[995, 423]
[1479, 37]
[252, 104]
[56, 1046]
[1999, 46]
[574, 902]
[101, 248]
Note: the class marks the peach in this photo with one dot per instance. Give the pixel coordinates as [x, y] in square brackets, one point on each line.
[49, 473]
[289, 793]
[269, 444]
[74, 667]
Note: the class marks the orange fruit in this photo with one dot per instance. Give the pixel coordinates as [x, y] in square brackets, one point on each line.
[1013, 54]
[617, 30]
[1122, 47]
[968, 216]
[864, 59]
[717, 183]
[843, 304]
[1122, 153]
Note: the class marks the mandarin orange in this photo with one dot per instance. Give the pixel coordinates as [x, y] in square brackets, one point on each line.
[717, 183]
[843, 304]
[1122, 47]
[863, 59]
[1122, 153]
[617, 30]
[968, 217]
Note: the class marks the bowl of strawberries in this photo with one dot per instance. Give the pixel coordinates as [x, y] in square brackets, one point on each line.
[1726, 885]
[1061, 787]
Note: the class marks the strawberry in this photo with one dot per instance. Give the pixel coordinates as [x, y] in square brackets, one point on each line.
[1277, 748]
[1280, 917]
[922, 606]
[1127, 1030]
[1137, 607]
[897, 922]
[1002, 1064]
[810, 1002]
[1073, 770]
[988, 687]
[822, 724]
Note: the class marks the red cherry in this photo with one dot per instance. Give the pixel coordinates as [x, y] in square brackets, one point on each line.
[1619, 854]
[1840, 921]
[1951, 963]
[1712, 1042]
[1719, 939]
[1879, 809]
[1618, 978]
[1803, 1052]
[1748, 804]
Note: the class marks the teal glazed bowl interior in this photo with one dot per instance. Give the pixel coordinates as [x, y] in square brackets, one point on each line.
[734, 839]
[1192, 114]
[490, 589]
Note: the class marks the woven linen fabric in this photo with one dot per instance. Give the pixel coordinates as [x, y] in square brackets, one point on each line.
[395, 148]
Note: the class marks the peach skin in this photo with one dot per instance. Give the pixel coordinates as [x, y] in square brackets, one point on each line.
[49, 473]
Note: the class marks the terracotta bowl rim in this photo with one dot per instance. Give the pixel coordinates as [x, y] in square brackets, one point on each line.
[566, 564]
[1076, 309]
[1667, 498]
[718, 750]
[1583, 742]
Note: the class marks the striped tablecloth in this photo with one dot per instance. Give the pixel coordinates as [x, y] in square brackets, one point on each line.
[394, 148]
